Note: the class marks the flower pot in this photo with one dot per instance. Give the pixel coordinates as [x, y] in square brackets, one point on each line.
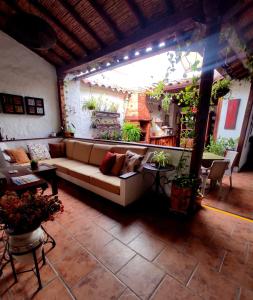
[180, 198]
[68, 134]
[21, 243]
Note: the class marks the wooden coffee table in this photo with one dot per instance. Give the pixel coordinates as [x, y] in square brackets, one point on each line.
[46, 171]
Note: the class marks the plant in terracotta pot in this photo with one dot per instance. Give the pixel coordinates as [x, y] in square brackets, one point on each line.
[34, 164]
[70, 132]
[161, 159]
[22, 217]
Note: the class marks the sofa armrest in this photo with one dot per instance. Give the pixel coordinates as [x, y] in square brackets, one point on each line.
[128, 175]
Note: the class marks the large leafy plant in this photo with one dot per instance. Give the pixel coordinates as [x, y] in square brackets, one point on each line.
[131, 132]
[220, 145]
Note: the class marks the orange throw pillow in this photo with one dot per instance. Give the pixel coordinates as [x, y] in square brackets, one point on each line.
[107, 163]
[18, 155]
[118, 165]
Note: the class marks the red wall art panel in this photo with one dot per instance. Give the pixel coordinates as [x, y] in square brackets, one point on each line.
[232, 112]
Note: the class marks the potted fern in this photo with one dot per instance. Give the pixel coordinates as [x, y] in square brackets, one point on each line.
[161, 159]
[131, 132]
[219, 89]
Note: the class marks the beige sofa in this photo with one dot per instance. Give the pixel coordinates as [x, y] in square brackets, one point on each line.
[81, 167]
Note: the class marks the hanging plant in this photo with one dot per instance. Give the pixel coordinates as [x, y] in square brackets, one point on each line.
[220, 88]
[90, 104]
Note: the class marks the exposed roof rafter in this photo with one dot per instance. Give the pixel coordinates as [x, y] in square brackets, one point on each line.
[42, 9]
[72, 11]
[107, 19]
[137, 12]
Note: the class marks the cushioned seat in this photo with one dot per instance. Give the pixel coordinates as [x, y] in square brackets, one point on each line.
[106, 182]
[83, 172]
[66, 165]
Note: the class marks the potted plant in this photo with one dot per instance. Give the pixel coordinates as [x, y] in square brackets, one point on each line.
[22, 217]
[70, 132]
[131, 132]
[161, 159]
[219, 89]
[90, 104]
[34, 164]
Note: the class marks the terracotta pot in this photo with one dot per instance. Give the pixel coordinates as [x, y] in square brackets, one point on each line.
[20, 243]
[180, 198]
[68, 134]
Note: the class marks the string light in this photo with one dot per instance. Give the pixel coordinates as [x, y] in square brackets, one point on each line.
[126, 57]
[161, 45]
[108, 64]
[149, 49]
[137, 53]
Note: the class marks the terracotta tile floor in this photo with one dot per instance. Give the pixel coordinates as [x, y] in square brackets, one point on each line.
[104, 252]
[238, 200]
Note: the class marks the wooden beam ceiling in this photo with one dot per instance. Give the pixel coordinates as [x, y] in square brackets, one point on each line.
[170, 7]
[72, 11]
[153, 28]
[43, 10]
[133, 6]
[107, 19]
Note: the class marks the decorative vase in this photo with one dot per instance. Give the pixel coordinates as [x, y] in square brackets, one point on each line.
[21, 243]
[34, 165]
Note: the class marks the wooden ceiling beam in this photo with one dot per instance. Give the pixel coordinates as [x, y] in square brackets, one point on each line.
[107, 19]
[42, 9]
[13, 5]
[72, 11]
[136, 11]
[170, 25]
[170, 7]
[61, 57]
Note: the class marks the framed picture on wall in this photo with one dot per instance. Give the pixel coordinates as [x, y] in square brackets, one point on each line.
[12, 104]
[34, 106]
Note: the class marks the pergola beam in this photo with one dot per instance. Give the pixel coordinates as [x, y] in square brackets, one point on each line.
[169, 25]
[107, 19]
[72, 11]
[137, 12]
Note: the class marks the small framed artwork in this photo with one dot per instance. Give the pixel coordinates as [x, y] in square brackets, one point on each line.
[34, 106]
[12, 104]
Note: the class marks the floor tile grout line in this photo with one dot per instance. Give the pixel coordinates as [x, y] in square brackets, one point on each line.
[192, 274]
[157, 286]
[222, 261]
[116, 273]
[61, 279]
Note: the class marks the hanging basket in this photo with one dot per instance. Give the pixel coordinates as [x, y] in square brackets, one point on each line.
[22, 243]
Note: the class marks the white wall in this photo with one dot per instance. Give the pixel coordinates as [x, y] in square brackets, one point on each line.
[239, 90]
[24, 73]
[108, 95]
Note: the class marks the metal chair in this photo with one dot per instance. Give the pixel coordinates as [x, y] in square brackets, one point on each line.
[215, 173]
[231, 156]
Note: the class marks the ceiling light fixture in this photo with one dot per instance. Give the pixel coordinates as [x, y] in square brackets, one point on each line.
[126, 57]
[161, 45]
[137, 53]
[149, 49]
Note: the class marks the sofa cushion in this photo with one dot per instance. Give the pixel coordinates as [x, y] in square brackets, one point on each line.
[69, 148]
[66, 165]
[18, 155]
[38, 151]
[82, 151]
[107, 163]
[98, 152]
[118, 165]
[123, 149]
[3, 147]
[57, 149]
[132, 162]
[83, 172]
[106, 182]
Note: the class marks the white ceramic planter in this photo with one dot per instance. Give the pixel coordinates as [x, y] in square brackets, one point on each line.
[20, 243]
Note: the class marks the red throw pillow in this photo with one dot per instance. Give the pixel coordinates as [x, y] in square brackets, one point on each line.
[107, 163]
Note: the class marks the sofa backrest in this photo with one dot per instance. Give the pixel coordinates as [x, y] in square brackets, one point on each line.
[98, 152]
[70, 148]
[82, 151]
[122, 149]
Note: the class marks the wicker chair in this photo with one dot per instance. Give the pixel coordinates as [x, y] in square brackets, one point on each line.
[215, 173]
[231, 156]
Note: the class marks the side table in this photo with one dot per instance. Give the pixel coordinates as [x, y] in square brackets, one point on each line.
[158, 175]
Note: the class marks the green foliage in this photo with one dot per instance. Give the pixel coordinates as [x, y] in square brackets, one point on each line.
[113, 107]
[221, 145]
[186, 181]
[71, 127]
[220, 88]
[131, 132]
[158, 94]
[90, 104]
[161, 159]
